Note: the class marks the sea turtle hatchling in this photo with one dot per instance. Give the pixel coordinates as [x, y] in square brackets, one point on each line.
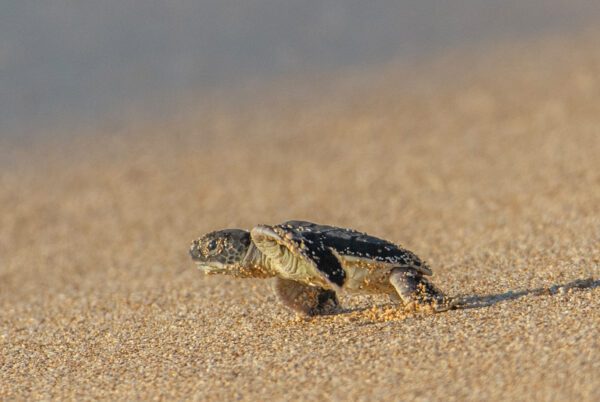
[311, 262]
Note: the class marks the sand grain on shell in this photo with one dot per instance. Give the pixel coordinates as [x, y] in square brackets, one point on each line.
[492, 176]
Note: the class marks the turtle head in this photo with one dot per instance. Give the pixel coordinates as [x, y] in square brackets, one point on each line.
[221, 252]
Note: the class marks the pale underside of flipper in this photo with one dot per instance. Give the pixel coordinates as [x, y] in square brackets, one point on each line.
[306, 261]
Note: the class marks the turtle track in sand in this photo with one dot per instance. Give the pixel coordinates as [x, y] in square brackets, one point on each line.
[394, 312]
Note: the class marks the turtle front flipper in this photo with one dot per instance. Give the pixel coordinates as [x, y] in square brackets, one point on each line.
[305, 299]
[414, 289]
[299, 256]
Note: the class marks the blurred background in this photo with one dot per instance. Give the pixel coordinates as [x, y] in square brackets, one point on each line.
[66, 64]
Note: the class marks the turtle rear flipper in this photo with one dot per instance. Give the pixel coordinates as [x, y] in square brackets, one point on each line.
[414, 289]
[305, 299]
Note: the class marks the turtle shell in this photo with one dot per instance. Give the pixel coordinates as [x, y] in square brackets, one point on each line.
[351, 244]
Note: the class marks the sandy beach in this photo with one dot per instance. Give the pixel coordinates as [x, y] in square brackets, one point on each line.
[486, 164]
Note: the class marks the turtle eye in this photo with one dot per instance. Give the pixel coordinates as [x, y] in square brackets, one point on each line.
[212, 245]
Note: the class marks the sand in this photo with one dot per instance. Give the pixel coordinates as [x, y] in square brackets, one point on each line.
[486, 164]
